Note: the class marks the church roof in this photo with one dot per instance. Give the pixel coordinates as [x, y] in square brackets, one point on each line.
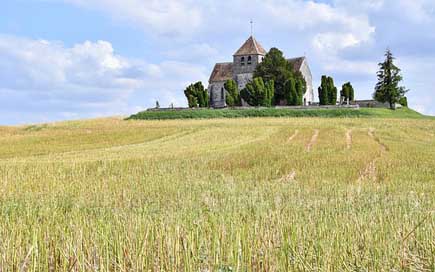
[251, 47]
[296, 63]
[222, 72]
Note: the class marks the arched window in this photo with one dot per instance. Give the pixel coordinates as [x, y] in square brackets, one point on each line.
[242, 61]
[249, 60]
[222, 93]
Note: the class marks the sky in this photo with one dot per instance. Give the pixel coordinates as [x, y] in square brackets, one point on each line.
[74, 59]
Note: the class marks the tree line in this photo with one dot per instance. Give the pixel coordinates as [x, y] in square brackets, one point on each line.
[276, 83]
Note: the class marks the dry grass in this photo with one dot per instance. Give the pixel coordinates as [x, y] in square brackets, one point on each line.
[218, 195]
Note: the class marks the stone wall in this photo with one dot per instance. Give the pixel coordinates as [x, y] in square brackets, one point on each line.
[243, 79]
[217, 94]
[238, 68]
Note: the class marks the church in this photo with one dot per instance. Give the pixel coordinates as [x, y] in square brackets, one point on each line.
[241, 70]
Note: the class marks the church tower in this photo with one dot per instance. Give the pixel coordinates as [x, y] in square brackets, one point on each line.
[246, 59]
[248, 56]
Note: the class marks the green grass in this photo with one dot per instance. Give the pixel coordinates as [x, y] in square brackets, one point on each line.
[248, 194]
[271, 112]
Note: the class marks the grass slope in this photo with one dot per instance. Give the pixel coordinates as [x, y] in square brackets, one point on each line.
[263, 194]
[271, 112]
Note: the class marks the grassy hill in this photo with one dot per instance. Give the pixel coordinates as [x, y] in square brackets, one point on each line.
[271, 112]
[247, 194]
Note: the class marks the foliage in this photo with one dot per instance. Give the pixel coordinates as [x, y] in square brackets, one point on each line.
[301, 89]
[157, 105]
[327, 91]
[294, 91]
[275, 67]
[347, 92]
[257, 93]
[290, 93]
[272, 112]
[387, 89]
[403, 101]
[197, 96]
[233, 96]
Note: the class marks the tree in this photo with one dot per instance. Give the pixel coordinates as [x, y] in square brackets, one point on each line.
[157, 104]
[404, 101]
[327, 91]
[233, 96]
[347, 92]
[290, 93]
[323, 91]
[275, 67]
[387, 90]
[197, 96]
[332, 92]
[270, 93]
[301, 88]
[257, 93]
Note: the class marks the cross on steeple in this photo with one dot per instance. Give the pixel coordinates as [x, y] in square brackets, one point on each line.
[252, 28]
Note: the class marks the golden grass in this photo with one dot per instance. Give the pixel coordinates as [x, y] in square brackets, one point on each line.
[218, 195]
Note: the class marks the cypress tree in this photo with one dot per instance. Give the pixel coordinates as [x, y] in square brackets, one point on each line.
[290, 91]
[233, 96]
[270, 92]
[197, 96]
[257, 93]
[323, 91]
[347, 92]
[332, 92]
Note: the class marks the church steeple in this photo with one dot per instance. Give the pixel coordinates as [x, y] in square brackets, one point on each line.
[251, 47]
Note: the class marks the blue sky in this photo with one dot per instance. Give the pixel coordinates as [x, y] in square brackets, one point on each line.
[72, 59]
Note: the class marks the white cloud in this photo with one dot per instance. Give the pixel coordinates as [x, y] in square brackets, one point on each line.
[193, 52]
[338, 65]
[160, 16]
[85, 80]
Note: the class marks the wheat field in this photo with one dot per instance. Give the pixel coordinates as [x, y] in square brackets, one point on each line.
[261, 194]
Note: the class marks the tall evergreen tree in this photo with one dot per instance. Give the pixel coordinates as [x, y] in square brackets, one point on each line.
[332, 92]
[387, 90]
[347, 92]
[275, 67]
[257, 93]
[197, 96]
[301, 87]
[327, 91]
[233, 96]
[323, 91]
[270, 93]
[290, 91]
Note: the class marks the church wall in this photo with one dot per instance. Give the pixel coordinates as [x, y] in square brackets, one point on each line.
[243, 79]
[238, 68]
[216, 91]
[306, 72]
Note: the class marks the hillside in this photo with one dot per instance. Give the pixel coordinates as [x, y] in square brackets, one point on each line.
[271, 112]
[247, 194]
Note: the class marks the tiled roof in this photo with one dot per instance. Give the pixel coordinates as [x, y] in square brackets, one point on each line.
[222, 72]
[251, 47]
[296, 63]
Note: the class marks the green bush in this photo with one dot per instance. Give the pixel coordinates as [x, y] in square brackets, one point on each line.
[197, 95]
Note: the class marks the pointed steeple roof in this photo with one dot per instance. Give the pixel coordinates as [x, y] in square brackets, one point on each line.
[251, 47]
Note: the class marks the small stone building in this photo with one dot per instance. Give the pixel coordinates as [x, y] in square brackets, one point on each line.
[241, 70]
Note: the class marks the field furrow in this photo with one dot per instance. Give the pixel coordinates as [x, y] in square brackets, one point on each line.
[313, 140]
[218, 195]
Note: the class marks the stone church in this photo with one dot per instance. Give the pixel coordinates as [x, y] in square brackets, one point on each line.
[242, 68]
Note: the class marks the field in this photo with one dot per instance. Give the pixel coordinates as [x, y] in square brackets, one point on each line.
[259, 194]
